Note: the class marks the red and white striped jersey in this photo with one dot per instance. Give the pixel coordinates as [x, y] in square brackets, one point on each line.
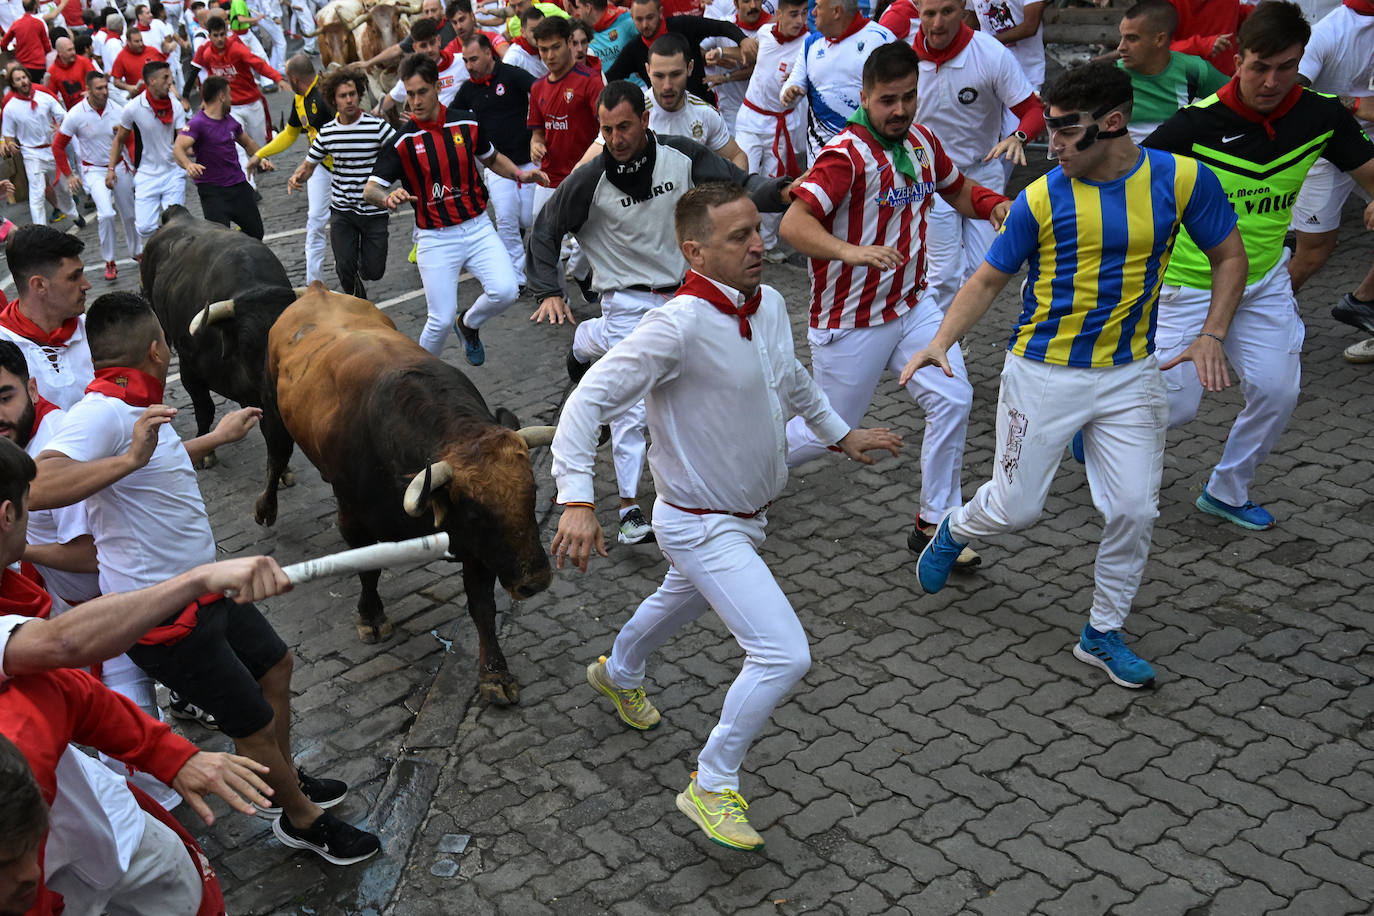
[856, 192]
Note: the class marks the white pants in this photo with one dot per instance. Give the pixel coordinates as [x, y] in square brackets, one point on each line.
[1324, 192]
[758, 148]
[442, 256]
[112, 206]
[161, 881]
[847, 364]
[621, 310]
[253, 117]
[302, 21]
[1264, 345]
[955, 245]
[715, 565]
[513, 203]
[272, 30]
[41, 169]
[1122, 411]
[316, 222]
[153, 193]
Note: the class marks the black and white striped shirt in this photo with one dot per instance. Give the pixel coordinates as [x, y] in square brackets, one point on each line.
[354, 149]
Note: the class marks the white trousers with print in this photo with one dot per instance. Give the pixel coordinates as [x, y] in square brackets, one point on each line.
[1122, 411]
[715, 565]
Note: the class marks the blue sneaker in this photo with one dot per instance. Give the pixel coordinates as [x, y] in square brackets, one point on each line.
[1106, 651]
[1076, 447]
[472, 344]
[937, 559]
[1251, 516]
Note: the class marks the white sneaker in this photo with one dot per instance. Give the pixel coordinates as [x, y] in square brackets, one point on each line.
[775, 256]
[1362, 352]
[635, 528]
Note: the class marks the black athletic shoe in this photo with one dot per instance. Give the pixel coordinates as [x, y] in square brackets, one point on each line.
[1355, 312]
[185, 709]
[79, 220]
[324, 792]
[330, 838]
[576, 368]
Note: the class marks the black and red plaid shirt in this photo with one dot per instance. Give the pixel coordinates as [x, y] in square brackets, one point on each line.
[439, 164]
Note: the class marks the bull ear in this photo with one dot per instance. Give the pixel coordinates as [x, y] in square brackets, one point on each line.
[507, 418]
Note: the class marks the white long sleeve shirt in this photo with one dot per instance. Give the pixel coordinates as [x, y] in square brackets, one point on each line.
[717, 405]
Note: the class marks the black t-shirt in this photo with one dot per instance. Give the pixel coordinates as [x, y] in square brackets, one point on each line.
[502, 105]
[696, 29]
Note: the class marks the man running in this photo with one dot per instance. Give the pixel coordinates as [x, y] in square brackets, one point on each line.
[230, 58]
[718, 355]
[652, 25]
[1082, 352]
[153, 119]
[214, 137]
[30, 119]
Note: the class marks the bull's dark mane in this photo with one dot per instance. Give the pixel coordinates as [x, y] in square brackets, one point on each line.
[431, 404]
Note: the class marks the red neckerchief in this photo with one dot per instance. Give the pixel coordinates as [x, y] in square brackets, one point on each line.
[23, 593]
[33, 102]
[662, 30]
[445, 60]
[484, 81]
[781, 40]
[855, 24]
[430, 125]
[524, 43]
[1230, 97]
[949, 51]
[763, 20]
[1363, 7]
[697, 285]
[41, 408]
[611, 15]
[138, 389]
[20, 324]
[145, 28]
[161, 107]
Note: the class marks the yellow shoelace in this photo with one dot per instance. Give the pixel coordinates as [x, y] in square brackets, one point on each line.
[733, 805]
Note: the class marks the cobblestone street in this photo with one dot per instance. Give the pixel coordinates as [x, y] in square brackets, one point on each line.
[945, 754]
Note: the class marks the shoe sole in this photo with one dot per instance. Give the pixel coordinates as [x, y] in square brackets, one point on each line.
[323, 854]
[1222, 513]
[1359, 353]
[689, 808]
[619, 708]
[646, 539]
[273, 813]
[1084, 656]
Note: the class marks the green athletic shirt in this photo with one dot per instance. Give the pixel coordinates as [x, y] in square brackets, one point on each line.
[1184, 80]
[1260, 174]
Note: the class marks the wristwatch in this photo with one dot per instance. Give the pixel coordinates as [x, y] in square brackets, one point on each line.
[1020, 135]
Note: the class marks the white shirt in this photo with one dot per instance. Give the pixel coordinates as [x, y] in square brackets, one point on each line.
[695, 120]
[717, 405]
[517, 56]
[109, 49]
[94, 825]
[1339, 58]
[965, 99]
[93, 131]
[998, 16]
[729, 94]
[155, 138]
[150, 525]
[158, 30]
[450, 78]
[62, 373]
[199, 36]
[10, 11]
[832, 73]
[774, 63]
[59, 526]
[33, 127]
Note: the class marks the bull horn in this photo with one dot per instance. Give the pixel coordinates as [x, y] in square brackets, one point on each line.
[536, 436]
[437, 474]
[215, 311]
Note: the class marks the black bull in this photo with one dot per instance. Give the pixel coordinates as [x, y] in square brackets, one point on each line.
[190, 263]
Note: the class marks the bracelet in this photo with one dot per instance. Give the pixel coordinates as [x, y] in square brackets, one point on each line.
[579, 505]
[1220, 340]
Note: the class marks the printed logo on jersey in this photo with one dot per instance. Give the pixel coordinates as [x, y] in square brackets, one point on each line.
[500, 88]
[903, 197]
[614, 34]
[698, 131]
[457, 136]
[657, 190]
[555, 122]
[567, 95]
[968, 95]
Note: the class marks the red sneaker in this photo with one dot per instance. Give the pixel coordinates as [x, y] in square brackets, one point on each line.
[111, 272]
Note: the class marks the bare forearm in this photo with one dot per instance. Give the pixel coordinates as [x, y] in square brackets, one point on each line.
[62, 481]
[77, 555]
[804, 232]
[181, 153]
[502, 166]
[375, 194]
[1229, 268]
[121, 135]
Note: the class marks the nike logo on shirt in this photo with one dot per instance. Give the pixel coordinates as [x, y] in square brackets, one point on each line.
[1232, 137]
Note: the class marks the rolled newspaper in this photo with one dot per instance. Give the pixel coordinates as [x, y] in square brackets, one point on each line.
[375, 556]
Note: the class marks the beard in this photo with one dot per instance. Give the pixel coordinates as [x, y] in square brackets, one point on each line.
[23, 430]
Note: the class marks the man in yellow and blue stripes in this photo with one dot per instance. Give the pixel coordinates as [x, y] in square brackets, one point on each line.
[1097, 232]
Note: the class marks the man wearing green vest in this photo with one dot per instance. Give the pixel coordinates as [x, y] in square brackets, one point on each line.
[1163, 80]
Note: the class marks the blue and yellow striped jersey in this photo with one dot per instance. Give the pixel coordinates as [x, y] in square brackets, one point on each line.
[1097, 254]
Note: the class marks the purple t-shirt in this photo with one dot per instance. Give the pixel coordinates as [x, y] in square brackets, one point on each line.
[216, 149]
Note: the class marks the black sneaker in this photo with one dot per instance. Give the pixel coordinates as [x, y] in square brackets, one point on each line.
[576, 368]
[185, 709]
[332, 839]
[79, 220]
[589, 295]
[324, 792]
[1355, 312]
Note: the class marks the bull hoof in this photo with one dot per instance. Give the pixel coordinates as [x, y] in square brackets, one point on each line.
[374, 633]
[264, 515]
[207, 462]
[288, 478]
[502, 691]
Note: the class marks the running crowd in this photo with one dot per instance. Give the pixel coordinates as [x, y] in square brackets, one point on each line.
[653, 158]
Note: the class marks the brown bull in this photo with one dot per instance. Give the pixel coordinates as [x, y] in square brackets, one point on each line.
[408, 445]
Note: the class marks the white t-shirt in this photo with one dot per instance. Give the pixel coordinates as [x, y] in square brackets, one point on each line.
[33, 126]
[109, 49]
[729, 94]
[450, 78]
[150, 525]
[62, 373]
[60, 526]
[965, 99]
[998, 16]
[695, 120]
[155, 138]
[10, 11]
[774, 63]
[831, 72]
[1339, 58]
[517, 56]
[158, 30]
[93, 131]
